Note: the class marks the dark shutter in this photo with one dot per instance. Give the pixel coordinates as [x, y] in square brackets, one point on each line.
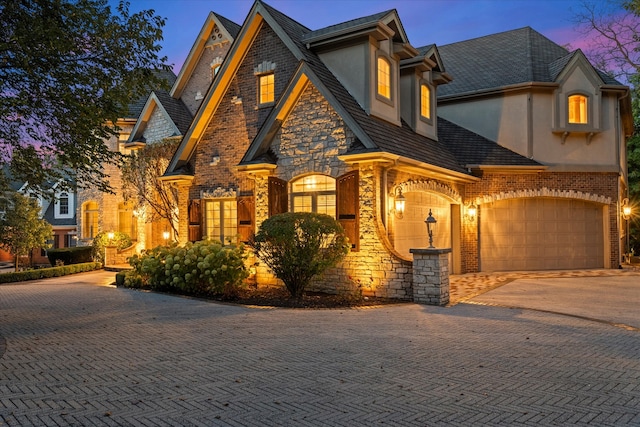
[246, 215]
[195, 220]
[278, 202]
[348, 202]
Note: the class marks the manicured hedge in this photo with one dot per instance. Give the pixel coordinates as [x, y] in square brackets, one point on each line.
[45, 273]
[69, 256]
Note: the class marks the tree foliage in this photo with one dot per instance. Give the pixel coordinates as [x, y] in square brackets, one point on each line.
[68, 70]
[22, 229]
[298, 246]
[141, 172]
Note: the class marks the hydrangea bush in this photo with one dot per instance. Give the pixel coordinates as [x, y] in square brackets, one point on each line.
[202, 268]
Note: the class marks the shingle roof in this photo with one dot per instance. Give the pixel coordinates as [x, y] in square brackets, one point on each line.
[177, 111]
[345, 26]
[229, 25]
[49, 216]
[136, 107]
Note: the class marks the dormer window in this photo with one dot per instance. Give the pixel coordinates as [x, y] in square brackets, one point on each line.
[64, 204]
[384, 77]
[425, 102]
[578, 109]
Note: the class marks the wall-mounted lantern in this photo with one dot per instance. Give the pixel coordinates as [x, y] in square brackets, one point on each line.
[165, 236]
[471, 211]
[431, 228]
[626, 209]
[399, 203]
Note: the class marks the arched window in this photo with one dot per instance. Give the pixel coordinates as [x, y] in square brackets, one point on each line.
[314, 193]
[577, 107]
[89, 220]
[384, 78]
[425, 101]
[127, 222]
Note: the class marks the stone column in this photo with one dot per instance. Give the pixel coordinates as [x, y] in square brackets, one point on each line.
[431, 276]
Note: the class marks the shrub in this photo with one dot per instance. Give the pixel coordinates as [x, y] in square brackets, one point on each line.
[297, 246]
[45, 273]
[119, 240]
[68, 256]
[202, 268]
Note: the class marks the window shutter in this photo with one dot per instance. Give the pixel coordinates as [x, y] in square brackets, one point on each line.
[246, 215]
[348, 202]
[278, 201]
[195, 219]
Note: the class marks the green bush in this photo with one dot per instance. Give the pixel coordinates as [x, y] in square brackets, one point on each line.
[102, 240]
[45, 273]
[68, 256]
[202, 268]
[297, 246]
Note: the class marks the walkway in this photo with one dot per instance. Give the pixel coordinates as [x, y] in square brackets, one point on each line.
[76, 352]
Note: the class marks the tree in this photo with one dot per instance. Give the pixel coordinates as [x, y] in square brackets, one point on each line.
[298, 246]
[68, 70]
[141, 172]
[22, 229]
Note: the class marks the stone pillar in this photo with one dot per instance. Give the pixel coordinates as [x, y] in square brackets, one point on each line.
[431, 276]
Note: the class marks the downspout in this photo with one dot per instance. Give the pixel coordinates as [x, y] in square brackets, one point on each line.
[529, 126]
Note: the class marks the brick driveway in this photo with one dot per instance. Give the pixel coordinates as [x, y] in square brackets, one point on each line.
[74, 353]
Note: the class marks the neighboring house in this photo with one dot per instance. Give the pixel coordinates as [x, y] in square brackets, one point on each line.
[59, 211]
[163, 114]
[351, 120]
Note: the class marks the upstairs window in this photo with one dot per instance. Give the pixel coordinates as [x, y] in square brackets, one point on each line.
[266, 89]
[384, 78]
[577, 107]
[425, 101]
[64, 204]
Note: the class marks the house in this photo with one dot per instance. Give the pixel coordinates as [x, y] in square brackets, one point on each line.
[57, 207]
[514, 145]
[163, 114]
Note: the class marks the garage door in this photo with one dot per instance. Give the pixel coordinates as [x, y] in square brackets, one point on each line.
[541, 234]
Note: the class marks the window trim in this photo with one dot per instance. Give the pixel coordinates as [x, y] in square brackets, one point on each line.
[389, 100]
[314, 194]
[429, 120]
[219, 205]
[273, 94]
[587, 106]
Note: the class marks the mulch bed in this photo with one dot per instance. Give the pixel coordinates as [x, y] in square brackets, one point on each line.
[279, 297]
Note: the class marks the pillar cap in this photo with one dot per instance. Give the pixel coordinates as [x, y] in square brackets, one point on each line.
[436, 251]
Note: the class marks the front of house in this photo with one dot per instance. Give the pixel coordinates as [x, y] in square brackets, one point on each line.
[522, 170]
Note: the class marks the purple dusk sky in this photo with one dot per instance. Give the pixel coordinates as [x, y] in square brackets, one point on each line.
[425, 21]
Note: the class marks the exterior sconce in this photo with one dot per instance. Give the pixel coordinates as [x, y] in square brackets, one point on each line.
[399, 204]
[471, 212]
[431, 227]
[166, 235]
[626, 209]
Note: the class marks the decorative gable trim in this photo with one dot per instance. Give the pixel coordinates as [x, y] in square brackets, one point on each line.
[264, 68]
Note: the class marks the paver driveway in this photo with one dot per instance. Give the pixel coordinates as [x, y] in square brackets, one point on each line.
[75, 353]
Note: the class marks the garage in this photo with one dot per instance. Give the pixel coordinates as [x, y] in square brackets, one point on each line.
[541, 234]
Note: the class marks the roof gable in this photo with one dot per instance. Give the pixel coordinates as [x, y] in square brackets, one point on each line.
[172, 109]
[216, 29]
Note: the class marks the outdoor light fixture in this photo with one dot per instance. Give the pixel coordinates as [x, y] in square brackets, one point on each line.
[471, 213]
[431, 227]
[110, 235]
[166, 235]
[626, 209]
[399, 203]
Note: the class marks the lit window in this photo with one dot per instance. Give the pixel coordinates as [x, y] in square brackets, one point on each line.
[221, 220]
[64, 204]
[267, 89]
[425, 101]
[578, 109]
[89, 220]
[314, 193]
[127, 222]
[384, 78]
